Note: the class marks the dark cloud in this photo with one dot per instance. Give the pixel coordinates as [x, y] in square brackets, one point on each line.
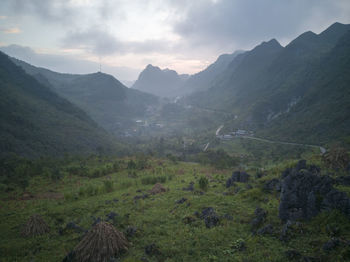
[49, 11]
[248, 22]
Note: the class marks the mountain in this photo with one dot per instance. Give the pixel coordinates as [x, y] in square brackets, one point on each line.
[227, 89]
[111, 104]
[323, 112]
[204, 79]
[269, 81]
[37, 122]
[163, 83]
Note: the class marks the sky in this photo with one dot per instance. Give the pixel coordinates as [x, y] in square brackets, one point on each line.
[124, 36]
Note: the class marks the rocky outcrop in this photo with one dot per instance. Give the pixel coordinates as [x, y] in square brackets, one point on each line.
[259, 218]
[237, 176]
[210, 217]
[272, 185]
[305, 192]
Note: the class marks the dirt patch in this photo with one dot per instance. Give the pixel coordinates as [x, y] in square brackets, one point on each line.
[49, 195]
[157, 189]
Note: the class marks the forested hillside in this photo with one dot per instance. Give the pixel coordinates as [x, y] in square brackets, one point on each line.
[270, 83]
[111, 104]
[35, 121]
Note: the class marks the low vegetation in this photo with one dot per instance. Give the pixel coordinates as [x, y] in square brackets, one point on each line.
[167, 212]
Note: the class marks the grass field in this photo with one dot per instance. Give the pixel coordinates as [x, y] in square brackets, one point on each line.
[174, 228]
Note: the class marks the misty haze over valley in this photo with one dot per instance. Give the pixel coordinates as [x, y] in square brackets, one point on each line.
[174, 130]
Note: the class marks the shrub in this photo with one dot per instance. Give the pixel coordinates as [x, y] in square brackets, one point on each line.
[91, 190]
[141, 162]
[108, 186]
[56, 175]
[151, 180]
[81, 191]
[131, 164]
[68, 196]
[203, 183]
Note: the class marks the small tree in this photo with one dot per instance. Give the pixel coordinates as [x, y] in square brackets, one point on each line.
[108, 185]
[203, 183]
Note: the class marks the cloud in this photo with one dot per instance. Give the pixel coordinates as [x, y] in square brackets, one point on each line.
[102, 43]
[165, 31]
[248, 22]
[11, 30]
[49, 11]
[93, 40]
[64, 63]
[3, 17]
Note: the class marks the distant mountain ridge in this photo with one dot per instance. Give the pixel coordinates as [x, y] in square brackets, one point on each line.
[204, 79]
[268, 83]
[163, 83]
[168, 83]
[111, 104]
[35, 121]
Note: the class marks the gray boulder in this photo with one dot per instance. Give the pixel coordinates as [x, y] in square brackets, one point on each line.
[237, 176]
[304, 193]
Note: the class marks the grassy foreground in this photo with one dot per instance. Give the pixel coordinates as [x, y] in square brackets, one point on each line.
[122, 186]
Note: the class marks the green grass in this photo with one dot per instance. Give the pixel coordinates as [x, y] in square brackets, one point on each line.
[159, 219]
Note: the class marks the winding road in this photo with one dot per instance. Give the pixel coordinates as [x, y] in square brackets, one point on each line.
[322, 149]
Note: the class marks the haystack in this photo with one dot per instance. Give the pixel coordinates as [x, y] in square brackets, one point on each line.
[157, 189]
[100, 244]
[35, 226]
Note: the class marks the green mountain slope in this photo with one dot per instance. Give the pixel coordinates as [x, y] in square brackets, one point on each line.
[270, 81]
[205, 79]
[111, 104]
[36, 122]
[324, 112]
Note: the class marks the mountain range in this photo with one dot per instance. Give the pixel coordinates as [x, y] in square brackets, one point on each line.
[295, 93]
[111, 104]
[35, 121]
[168, 83]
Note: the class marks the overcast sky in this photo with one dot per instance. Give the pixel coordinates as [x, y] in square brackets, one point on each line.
[126, 35]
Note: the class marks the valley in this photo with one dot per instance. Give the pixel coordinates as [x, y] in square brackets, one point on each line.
[246, 159]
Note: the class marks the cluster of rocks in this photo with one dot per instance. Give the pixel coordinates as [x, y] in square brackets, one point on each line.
[71, 226]
[181, 201]
[304, 193]
[210, 217]
[130, 231]
[259, 218]
[152, 250]
[273, 185]
[237, 176]
[143, 196]
[108, 202]
[189, 188]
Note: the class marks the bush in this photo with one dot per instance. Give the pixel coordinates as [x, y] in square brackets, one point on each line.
[131, 164]
[151, 180]
[141, 162]
[91, 190]
[68, 196]
[108, 186]
[218, 158]
[56, 175]
[203, 183]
